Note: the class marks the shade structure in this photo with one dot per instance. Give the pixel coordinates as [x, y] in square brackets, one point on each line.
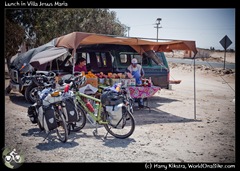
[74, 40]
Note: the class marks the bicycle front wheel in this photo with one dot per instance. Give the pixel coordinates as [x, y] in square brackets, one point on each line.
[124, 128]
[62, 130]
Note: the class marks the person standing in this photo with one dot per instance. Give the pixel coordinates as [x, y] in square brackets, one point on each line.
[137, 72]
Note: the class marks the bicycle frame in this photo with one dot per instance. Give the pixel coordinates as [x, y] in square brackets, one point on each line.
[122, 129]
[97, 118]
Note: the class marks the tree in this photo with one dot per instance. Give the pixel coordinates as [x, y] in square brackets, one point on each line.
[14, 36]
[42, 25]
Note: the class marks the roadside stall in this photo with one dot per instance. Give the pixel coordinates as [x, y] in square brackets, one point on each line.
[66, 46]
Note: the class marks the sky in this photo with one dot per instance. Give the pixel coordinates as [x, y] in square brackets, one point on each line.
[205, 26]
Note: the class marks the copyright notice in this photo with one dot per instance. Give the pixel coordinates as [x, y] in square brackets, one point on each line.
[188, 166]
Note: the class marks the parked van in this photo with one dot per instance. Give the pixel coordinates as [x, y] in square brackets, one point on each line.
[100, 58]
[115, 59]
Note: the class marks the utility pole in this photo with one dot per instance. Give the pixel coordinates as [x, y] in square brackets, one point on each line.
[128, 28]
[158, 23]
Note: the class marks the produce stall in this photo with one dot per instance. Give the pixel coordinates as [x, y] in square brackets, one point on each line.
[101, 79]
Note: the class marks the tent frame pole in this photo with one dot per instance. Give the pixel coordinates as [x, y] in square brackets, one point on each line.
[194, 88]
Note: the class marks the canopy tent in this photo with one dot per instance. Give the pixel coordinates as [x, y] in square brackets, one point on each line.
[74, 40]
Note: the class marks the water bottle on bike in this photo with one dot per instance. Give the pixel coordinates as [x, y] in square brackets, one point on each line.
[91, 109]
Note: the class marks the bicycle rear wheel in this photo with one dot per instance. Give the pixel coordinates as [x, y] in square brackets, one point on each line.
[124, 128]
[62, 131]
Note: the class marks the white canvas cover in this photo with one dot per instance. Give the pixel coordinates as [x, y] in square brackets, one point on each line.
[88, 89]
[49, 55]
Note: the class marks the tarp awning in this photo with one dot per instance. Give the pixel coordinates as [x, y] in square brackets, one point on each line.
[60, 46]
[49, 55]
[76, 39]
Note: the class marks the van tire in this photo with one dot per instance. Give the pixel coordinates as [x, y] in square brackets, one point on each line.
[28, 94]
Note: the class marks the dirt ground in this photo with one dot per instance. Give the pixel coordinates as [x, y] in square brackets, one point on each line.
[178, 129]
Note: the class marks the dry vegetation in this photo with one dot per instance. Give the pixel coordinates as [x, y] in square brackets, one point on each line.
[205, 55]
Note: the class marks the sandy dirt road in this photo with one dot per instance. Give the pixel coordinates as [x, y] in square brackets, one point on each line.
[169, 133]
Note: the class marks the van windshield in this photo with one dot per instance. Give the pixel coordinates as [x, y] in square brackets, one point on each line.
[125, 59]
[160, 56]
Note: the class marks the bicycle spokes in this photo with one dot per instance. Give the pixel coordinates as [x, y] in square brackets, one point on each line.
[124, 128]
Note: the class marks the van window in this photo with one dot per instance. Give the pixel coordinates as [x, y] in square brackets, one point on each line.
[104, 59]
[123, 58]
[101, 58]
[84, 55]
[99, 63]
[145, 60]
[138, 57]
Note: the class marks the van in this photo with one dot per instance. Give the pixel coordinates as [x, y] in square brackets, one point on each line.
[20, 67]
[116, 58]
[103, 58]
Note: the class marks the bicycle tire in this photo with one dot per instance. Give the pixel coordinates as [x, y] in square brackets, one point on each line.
[131, 103]
[77, 126]
[118, 132]
[63, 126]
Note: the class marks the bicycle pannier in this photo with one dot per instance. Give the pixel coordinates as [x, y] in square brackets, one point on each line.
[115, 114]
[47, 118]
[70, 111]
[32, 113]
[111, 98]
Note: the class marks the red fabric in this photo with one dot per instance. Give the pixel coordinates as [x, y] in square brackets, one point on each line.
[142, 92]
[78, 69]
[66, 89]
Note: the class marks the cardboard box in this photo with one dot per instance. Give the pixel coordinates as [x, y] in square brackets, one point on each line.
[132, 82]
[92, 81]
[114, 81]
[128, 82]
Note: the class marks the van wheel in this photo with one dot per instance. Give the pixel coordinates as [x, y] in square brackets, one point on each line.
[29, 93]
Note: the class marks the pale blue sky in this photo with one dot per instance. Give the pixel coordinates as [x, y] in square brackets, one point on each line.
[206, 26]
